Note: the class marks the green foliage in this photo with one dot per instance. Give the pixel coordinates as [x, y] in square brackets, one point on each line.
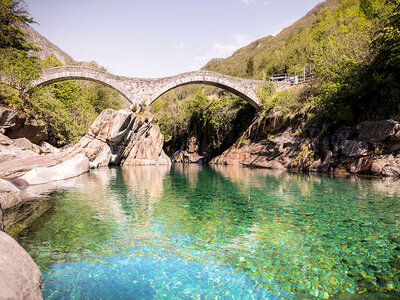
[213, 119]
[65, 110]
[102, 97]
[250, 67]
[265, 91]
[13, 15]
[353, 46]
[289, 101]
[359, 79]
[10, 97]
[342, 38]
[386, 43]
[17, 66]
[70, 107]
[50, 61]
[333, 34]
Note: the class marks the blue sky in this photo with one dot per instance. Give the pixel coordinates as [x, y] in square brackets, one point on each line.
[157, 38]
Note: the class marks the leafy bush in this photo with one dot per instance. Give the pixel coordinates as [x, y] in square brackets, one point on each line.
[216, 119]
[70, 107]
[265, 91]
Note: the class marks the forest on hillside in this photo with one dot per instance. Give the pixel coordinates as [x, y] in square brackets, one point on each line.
[354, 49]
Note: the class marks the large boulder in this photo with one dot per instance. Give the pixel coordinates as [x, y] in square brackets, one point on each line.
[20, 276]
[7, 187]
[184, 156]
[9, 199]
[386, 166]
[9, 118]
[106, 139]
[67, 169]
[378, 131]
[146, 147]
[15, 166]
[121, 137]
[17, 125]
[191, 154]
[111, 126]
[46, 148]
[353, 148]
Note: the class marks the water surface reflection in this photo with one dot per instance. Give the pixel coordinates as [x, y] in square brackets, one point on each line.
[200, 231]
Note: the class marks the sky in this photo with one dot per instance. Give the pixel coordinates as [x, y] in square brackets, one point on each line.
[158, 38]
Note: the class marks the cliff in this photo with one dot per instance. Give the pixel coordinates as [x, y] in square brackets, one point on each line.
[276, 142]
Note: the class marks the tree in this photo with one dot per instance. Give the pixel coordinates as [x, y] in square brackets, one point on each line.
[386, 43]
[250, 66]
[17, 66]
[13, 16]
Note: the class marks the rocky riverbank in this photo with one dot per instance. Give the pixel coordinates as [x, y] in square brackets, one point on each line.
[28, 170]
[115, 138]
[275, 142]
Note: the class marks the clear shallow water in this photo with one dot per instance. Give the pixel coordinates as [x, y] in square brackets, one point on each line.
[197, 232]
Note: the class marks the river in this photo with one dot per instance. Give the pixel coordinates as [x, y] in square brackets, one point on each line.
[203, 232]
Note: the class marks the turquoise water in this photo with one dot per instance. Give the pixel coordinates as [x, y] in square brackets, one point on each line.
[194, 232]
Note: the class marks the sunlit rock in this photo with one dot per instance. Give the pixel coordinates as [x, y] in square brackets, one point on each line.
[67, 169]
[20, 276]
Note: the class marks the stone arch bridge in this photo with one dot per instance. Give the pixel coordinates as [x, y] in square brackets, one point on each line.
[144, 90]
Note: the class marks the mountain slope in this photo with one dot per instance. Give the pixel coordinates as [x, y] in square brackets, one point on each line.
[47, 48]
[294, 46]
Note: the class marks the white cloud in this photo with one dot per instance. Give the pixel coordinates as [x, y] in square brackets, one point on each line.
[266, 2]
[248, 1]
[224, 49]
[178, 46]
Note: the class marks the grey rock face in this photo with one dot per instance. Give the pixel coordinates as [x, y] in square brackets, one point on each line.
[353, 148]
[365, 150]
[146, 147]
[9, 199]
[20, 276]
[378, 131]
[16, 125]
[121, 137]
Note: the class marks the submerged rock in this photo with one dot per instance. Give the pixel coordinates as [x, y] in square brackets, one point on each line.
[20, 276]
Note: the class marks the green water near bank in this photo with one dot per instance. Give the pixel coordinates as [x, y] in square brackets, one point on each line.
[197, 232]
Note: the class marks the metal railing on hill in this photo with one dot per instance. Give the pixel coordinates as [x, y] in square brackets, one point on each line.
[303, 75]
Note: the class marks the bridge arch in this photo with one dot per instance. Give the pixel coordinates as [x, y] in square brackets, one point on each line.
[240, 87]
[59, 74]
[144, 90]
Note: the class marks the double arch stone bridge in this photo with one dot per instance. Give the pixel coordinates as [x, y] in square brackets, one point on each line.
[144, 90]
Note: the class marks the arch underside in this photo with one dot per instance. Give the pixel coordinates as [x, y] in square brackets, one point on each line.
[228, 88]
[126, 99]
